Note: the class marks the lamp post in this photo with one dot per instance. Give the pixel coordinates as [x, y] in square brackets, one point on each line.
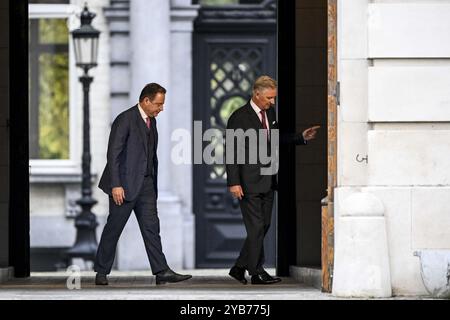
[85, 40]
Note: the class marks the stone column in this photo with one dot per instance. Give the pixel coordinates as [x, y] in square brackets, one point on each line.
[150, 53]
[150, 62]
[182, 17]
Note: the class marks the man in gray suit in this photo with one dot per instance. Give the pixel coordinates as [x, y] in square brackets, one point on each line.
[130, 180]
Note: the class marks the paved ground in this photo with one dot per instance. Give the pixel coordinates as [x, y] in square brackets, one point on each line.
[205, 285]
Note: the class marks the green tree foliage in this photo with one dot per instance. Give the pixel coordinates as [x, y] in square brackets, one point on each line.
[54, 91]
[53, 106]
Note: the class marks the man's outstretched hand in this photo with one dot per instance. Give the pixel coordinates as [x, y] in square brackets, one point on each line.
[310, 133]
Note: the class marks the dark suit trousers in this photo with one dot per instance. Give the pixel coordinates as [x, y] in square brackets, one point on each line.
[144, 207]
[256, 211]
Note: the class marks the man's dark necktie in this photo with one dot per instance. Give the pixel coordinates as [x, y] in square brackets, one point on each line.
[264, 123]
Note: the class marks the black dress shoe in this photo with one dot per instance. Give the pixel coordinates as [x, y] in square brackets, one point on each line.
[264, 278]
[101, 279]
[268, 276]
[170, 276]
[239, 274]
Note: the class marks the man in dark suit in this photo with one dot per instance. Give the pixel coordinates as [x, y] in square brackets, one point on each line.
[130, 180]
[247, 183]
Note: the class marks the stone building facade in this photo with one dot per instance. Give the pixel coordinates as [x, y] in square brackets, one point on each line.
[129, 57]
[392, 167]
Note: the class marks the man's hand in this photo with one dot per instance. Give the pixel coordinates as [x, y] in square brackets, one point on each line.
[236, 191]
[118, 195]
[310, 133]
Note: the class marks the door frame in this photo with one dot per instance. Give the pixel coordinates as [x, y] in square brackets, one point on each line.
[286, 240]
[328, 202]
[19, 179]
[19, 213]
[213, 26]
[286, 204]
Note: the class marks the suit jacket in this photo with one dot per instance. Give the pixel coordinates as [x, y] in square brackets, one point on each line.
[249, 175]
[127, 155]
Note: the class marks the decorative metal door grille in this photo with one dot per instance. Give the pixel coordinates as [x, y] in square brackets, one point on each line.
[228, 57]
[233, 70]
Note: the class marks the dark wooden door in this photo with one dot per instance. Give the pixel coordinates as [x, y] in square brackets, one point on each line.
[231, 49]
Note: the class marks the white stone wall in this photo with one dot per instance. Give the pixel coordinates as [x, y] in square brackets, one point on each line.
[394, 63]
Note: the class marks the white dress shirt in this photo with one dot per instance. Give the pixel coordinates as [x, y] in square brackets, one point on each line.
[258, 112]
[143, 114]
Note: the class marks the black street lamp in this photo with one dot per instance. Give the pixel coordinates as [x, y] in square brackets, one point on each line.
[85, 41]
